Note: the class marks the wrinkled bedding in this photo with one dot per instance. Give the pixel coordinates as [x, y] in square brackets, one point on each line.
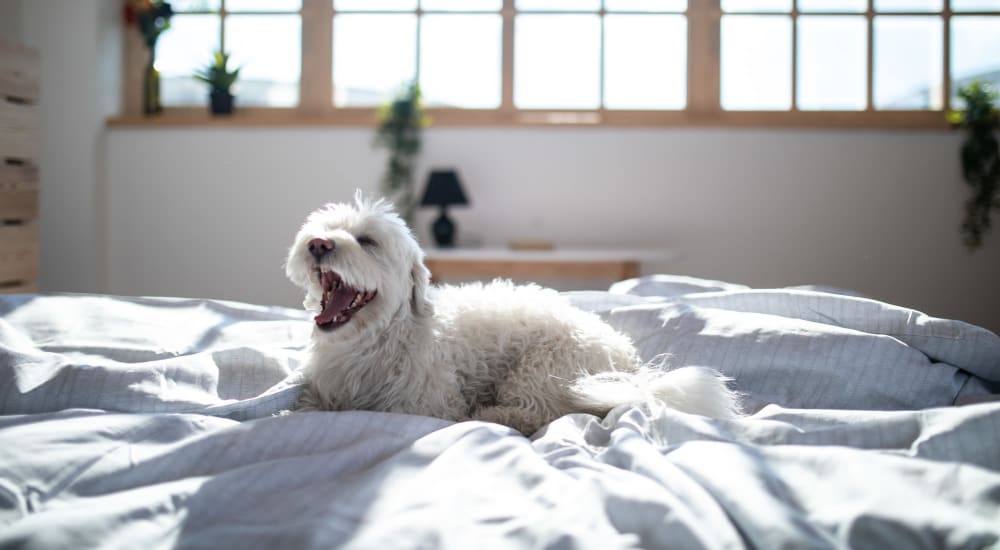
[132, 422]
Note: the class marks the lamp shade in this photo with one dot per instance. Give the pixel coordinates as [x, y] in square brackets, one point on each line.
[443, 189]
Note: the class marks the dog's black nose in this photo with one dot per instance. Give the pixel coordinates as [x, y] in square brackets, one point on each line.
[320, 247]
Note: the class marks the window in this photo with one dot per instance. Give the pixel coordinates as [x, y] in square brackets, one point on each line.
[270, 68]
[853, 55]
[626, 54]
[891, 63]
[452, 47]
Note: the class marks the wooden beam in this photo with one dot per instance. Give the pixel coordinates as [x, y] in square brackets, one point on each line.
[316, 81]
[457, 118]
[704, 36]
[507, 57]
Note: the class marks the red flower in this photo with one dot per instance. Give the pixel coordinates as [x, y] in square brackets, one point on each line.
[129, 13]
[151, 17]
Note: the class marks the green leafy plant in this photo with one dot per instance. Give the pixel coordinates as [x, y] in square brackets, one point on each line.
[980, 157]
[217, 74]
[152, 17]
[400, 125]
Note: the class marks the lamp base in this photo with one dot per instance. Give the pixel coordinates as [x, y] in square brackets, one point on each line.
[443, 230]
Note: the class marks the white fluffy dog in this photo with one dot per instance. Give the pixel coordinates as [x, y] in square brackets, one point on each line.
[385, 340]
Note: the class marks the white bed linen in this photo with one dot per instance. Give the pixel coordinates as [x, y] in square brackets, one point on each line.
[785, 478]
[132, 422]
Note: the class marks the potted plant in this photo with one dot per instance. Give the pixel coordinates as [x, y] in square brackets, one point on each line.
[400, 122]
[980, 157]
[220, 79]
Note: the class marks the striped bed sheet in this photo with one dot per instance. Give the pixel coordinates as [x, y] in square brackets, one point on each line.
[128, 422]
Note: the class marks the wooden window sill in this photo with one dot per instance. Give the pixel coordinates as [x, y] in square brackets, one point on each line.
[818, 120]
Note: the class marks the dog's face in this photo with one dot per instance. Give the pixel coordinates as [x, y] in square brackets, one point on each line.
[360, 266]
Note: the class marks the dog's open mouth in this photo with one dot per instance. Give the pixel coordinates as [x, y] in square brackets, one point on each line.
[340, 301]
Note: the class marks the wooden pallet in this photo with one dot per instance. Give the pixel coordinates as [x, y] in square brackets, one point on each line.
[19, 154]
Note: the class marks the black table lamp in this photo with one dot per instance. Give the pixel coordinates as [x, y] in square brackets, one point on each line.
[443, 189]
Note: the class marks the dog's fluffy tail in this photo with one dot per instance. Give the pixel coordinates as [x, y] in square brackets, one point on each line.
[695, 390]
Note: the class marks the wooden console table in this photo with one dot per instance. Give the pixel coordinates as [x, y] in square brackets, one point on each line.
[559, 263]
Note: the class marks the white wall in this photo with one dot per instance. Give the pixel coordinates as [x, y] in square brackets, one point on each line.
[208, 212]
[79, 47]
[10, 20]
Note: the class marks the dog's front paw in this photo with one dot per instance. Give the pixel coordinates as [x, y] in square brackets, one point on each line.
[309, 400]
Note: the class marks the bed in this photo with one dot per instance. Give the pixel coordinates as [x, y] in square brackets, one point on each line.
[133, 422]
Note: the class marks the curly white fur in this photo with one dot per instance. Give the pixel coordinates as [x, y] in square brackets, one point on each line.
[517, 355]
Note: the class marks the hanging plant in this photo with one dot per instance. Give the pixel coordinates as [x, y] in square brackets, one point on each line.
[400, 124]
[980, 157]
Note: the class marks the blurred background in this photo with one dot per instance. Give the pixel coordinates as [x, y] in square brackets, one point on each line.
[761, 143]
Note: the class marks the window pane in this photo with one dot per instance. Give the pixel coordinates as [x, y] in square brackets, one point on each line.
[975, 51]
[195, 5]
[373, 55]
[557, 61]
[645, 61]
[908, 62]
[832, 61]
[462, 5]
[845, 6]
[182, 51]
[756, 62]
[909, 5]
[264, 5]
[975, 5]
[374, 5]
[734, 6]
[559, 5]
[645, 5]
[460, 60]
[270, 68]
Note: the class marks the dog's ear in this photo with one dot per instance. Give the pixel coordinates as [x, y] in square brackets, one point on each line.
[420, 277]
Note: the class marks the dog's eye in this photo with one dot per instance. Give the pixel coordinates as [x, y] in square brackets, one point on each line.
[365, 240]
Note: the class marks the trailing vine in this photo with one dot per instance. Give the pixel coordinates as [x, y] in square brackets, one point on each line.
[980, 156]
[400, 123]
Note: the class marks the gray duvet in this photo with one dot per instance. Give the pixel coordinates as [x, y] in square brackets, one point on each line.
[150, 422]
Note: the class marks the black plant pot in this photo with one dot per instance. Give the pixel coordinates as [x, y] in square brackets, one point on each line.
[222, 102]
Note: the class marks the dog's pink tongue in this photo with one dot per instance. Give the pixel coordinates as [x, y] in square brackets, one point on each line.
[339, 301]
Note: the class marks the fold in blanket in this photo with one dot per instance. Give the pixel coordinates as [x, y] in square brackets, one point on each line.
[791, 347]
[639, 479]
[132, 422]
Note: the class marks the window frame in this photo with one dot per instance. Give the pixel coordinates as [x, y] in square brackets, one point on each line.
[703, 107]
